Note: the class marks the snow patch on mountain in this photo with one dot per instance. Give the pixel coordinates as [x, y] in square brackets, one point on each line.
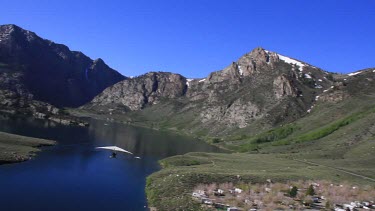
[202, 80]
[240, 70]
[308, 76]
[188, 80]
[291, 61]
[356, 73]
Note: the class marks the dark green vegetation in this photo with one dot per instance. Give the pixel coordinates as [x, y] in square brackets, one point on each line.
[293, 192]
[310, 191]
[15, 148]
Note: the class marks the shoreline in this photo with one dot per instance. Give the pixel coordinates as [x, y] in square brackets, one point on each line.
[16, 148]
[87, 114]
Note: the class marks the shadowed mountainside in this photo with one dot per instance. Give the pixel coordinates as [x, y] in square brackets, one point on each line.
[49, 72]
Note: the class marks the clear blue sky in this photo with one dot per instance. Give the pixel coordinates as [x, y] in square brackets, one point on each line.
[196, 37]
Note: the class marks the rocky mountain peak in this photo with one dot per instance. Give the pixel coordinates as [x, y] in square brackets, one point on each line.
[247, 65]
[9, 29]
[260, 55]
[14, 32]
[99, 63]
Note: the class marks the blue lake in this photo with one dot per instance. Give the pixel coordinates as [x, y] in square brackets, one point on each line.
[74, 176]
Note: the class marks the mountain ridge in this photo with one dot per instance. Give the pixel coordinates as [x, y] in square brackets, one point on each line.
[261, 90]
[51, 68]
[247, 91]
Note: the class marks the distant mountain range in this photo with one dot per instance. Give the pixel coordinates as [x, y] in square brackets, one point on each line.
[260, 91]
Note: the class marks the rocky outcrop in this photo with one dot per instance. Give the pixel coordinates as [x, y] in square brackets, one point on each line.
[247, 65]
[144, 90]
[283, 87]
[238, 114]
[51, 72]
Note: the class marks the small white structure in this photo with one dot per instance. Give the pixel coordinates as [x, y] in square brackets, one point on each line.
[348, 206]
[208, 201]
[202, 192]
[237, 190]
[200, 195]
[196, 195]
[315, 184]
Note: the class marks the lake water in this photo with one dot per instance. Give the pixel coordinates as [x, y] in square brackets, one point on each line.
[75, 176]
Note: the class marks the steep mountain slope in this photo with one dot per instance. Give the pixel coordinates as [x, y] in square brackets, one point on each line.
[262, 89]
[50, 72]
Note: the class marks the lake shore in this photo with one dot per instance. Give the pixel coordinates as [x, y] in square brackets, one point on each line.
[171, 187]
[16, 148]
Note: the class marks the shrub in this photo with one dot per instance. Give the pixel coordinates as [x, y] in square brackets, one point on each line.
[328, 205]
[310, 191]
[293, 192]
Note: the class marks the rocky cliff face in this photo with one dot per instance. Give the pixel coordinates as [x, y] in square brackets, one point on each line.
[147, 89]
[261, 88]
[50, 72]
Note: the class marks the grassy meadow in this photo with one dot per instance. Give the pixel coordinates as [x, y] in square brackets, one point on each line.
[15, 148]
